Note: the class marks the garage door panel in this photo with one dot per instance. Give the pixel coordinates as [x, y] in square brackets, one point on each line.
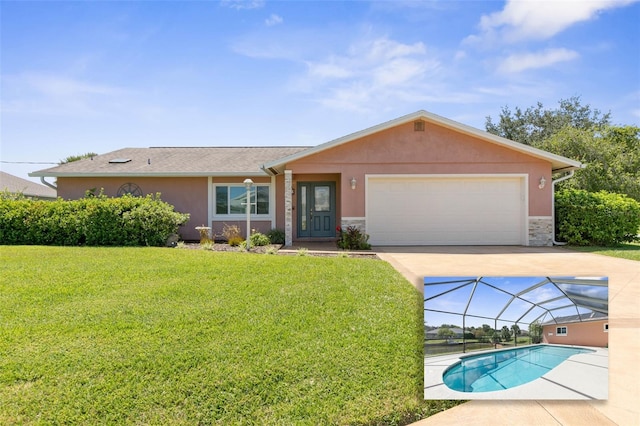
[445, 211]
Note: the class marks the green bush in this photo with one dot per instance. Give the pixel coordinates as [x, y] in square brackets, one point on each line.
[257, 239]
[93, 221]
[596, 218]
[353, 239]
[276, 236]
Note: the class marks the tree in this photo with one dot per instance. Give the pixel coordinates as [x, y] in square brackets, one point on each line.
[537, 124]
[487, 329]
[505, 333]
[611, 154]
[516, 331]
[73, 158]
[445, 333]
[535, 331]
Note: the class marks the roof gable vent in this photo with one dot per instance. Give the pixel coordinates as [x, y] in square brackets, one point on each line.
[418, 126]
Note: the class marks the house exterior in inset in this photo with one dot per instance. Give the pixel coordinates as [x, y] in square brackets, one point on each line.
[420, 179]
[585, 330]
[17, 185]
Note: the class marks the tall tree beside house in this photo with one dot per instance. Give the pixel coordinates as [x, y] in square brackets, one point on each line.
[611, 153]
[536, 124]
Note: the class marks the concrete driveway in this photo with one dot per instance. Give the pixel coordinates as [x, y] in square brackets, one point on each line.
[624, 328]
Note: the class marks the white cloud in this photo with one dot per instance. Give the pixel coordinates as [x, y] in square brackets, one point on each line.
[524, 61]
[369, 72]
[535, 20]
[273, 20]
[243, 4]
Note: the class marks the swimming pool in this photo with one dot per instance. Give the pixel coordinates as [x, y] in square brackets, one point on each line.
[506, 368]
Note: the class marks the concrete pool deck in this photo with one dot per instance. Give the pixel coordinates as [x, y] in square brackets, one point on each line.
[581, 377]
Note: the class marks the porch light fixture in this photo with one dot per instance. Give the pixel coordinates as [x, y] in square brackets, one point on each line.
[543, 181]
[248, 183]
[353, 183]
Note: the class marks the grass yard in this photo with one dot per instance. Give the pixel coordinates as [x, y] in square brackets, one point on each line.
[166, 336]
[629, 251]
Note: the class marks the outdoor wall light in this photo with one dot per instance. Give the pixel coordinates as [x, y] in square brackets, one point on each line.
[353, 183]
[543, 181]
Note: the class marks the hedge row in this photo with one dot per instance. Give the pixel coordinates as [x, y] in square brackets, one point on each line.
[596, 218]
[92, 221]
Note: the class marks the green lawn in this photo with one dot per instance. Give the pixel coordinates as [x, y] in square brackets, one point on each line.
[168, 336]
[626, 251]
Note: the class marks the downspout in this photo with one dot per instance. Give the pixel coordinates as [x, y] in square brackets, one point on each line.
[553, 206]
[50, 185]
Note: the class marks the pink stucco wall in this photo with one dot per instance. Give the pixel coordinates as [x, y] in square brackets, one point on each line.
[437, 150]
[187, 195]
[587, 333]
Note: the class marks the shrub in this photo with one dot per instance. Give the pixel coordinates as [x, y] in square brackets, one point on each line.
[94, 221]
[257, 239]
[231, 232]
[276, 236]
[596, 218]
[353, 239]
[235, 241]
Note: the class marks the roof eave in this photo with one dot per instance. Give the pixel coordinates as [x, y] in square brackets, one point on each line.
[149, 174]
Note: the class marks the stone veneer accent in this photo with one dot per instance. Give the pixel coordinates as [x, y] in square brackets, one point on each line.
[540, 231]
[288, 208]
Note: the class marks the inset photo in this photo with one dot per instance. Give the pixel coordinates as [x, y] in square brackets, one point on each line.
[532, 337]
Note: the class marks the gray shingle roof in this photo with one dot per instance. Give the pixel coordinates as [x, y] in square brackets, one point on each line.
[181, 161]
[15, 184]
[590, 316]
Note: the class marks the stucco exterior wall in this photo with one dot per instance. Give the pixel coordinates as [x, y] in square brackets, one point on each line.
[436, 150]
[187, 195]
[586, 333]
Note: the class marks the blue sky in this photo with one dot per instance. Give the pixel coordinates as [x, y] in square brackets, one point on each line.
[98, 76]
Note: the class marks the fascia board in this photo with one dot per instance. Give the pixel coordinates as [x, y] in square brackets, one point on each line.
[156, 174]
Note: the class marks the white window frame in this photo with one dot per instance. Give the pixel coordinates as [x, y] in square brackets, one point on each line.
[559, 333]
[240, 216]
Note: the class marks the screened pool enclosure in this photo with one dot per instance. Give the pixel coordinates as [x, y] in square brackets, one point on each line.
[473, 303]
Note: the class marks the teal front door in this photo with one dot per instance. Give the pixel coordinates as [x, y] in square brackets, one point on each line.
[316, 209]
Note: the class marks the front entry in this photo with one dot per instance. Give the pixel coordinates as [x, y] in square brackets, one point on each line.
[316, 209]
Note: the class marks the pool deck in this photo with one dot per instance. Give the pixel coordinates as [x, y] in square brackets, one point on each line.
[581, 377]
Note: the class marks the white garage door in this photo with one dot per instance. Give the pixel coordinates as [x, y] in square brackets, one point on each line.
[445, 211]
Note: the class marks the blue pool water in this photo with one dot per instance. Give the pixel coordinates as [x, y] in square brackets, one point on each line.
[506, 369]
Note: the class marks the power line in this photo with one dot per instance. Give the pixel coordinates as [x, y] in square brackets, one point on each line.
[26, 162]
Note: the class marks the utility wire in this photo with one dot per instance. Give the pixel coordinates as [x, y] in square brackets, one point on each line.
[26, 162]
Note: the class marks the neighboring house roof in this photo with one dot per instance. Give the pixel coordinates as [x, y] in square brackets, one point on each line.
[557, 162]
[591, 316]
[180, 161]
[15, 184]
